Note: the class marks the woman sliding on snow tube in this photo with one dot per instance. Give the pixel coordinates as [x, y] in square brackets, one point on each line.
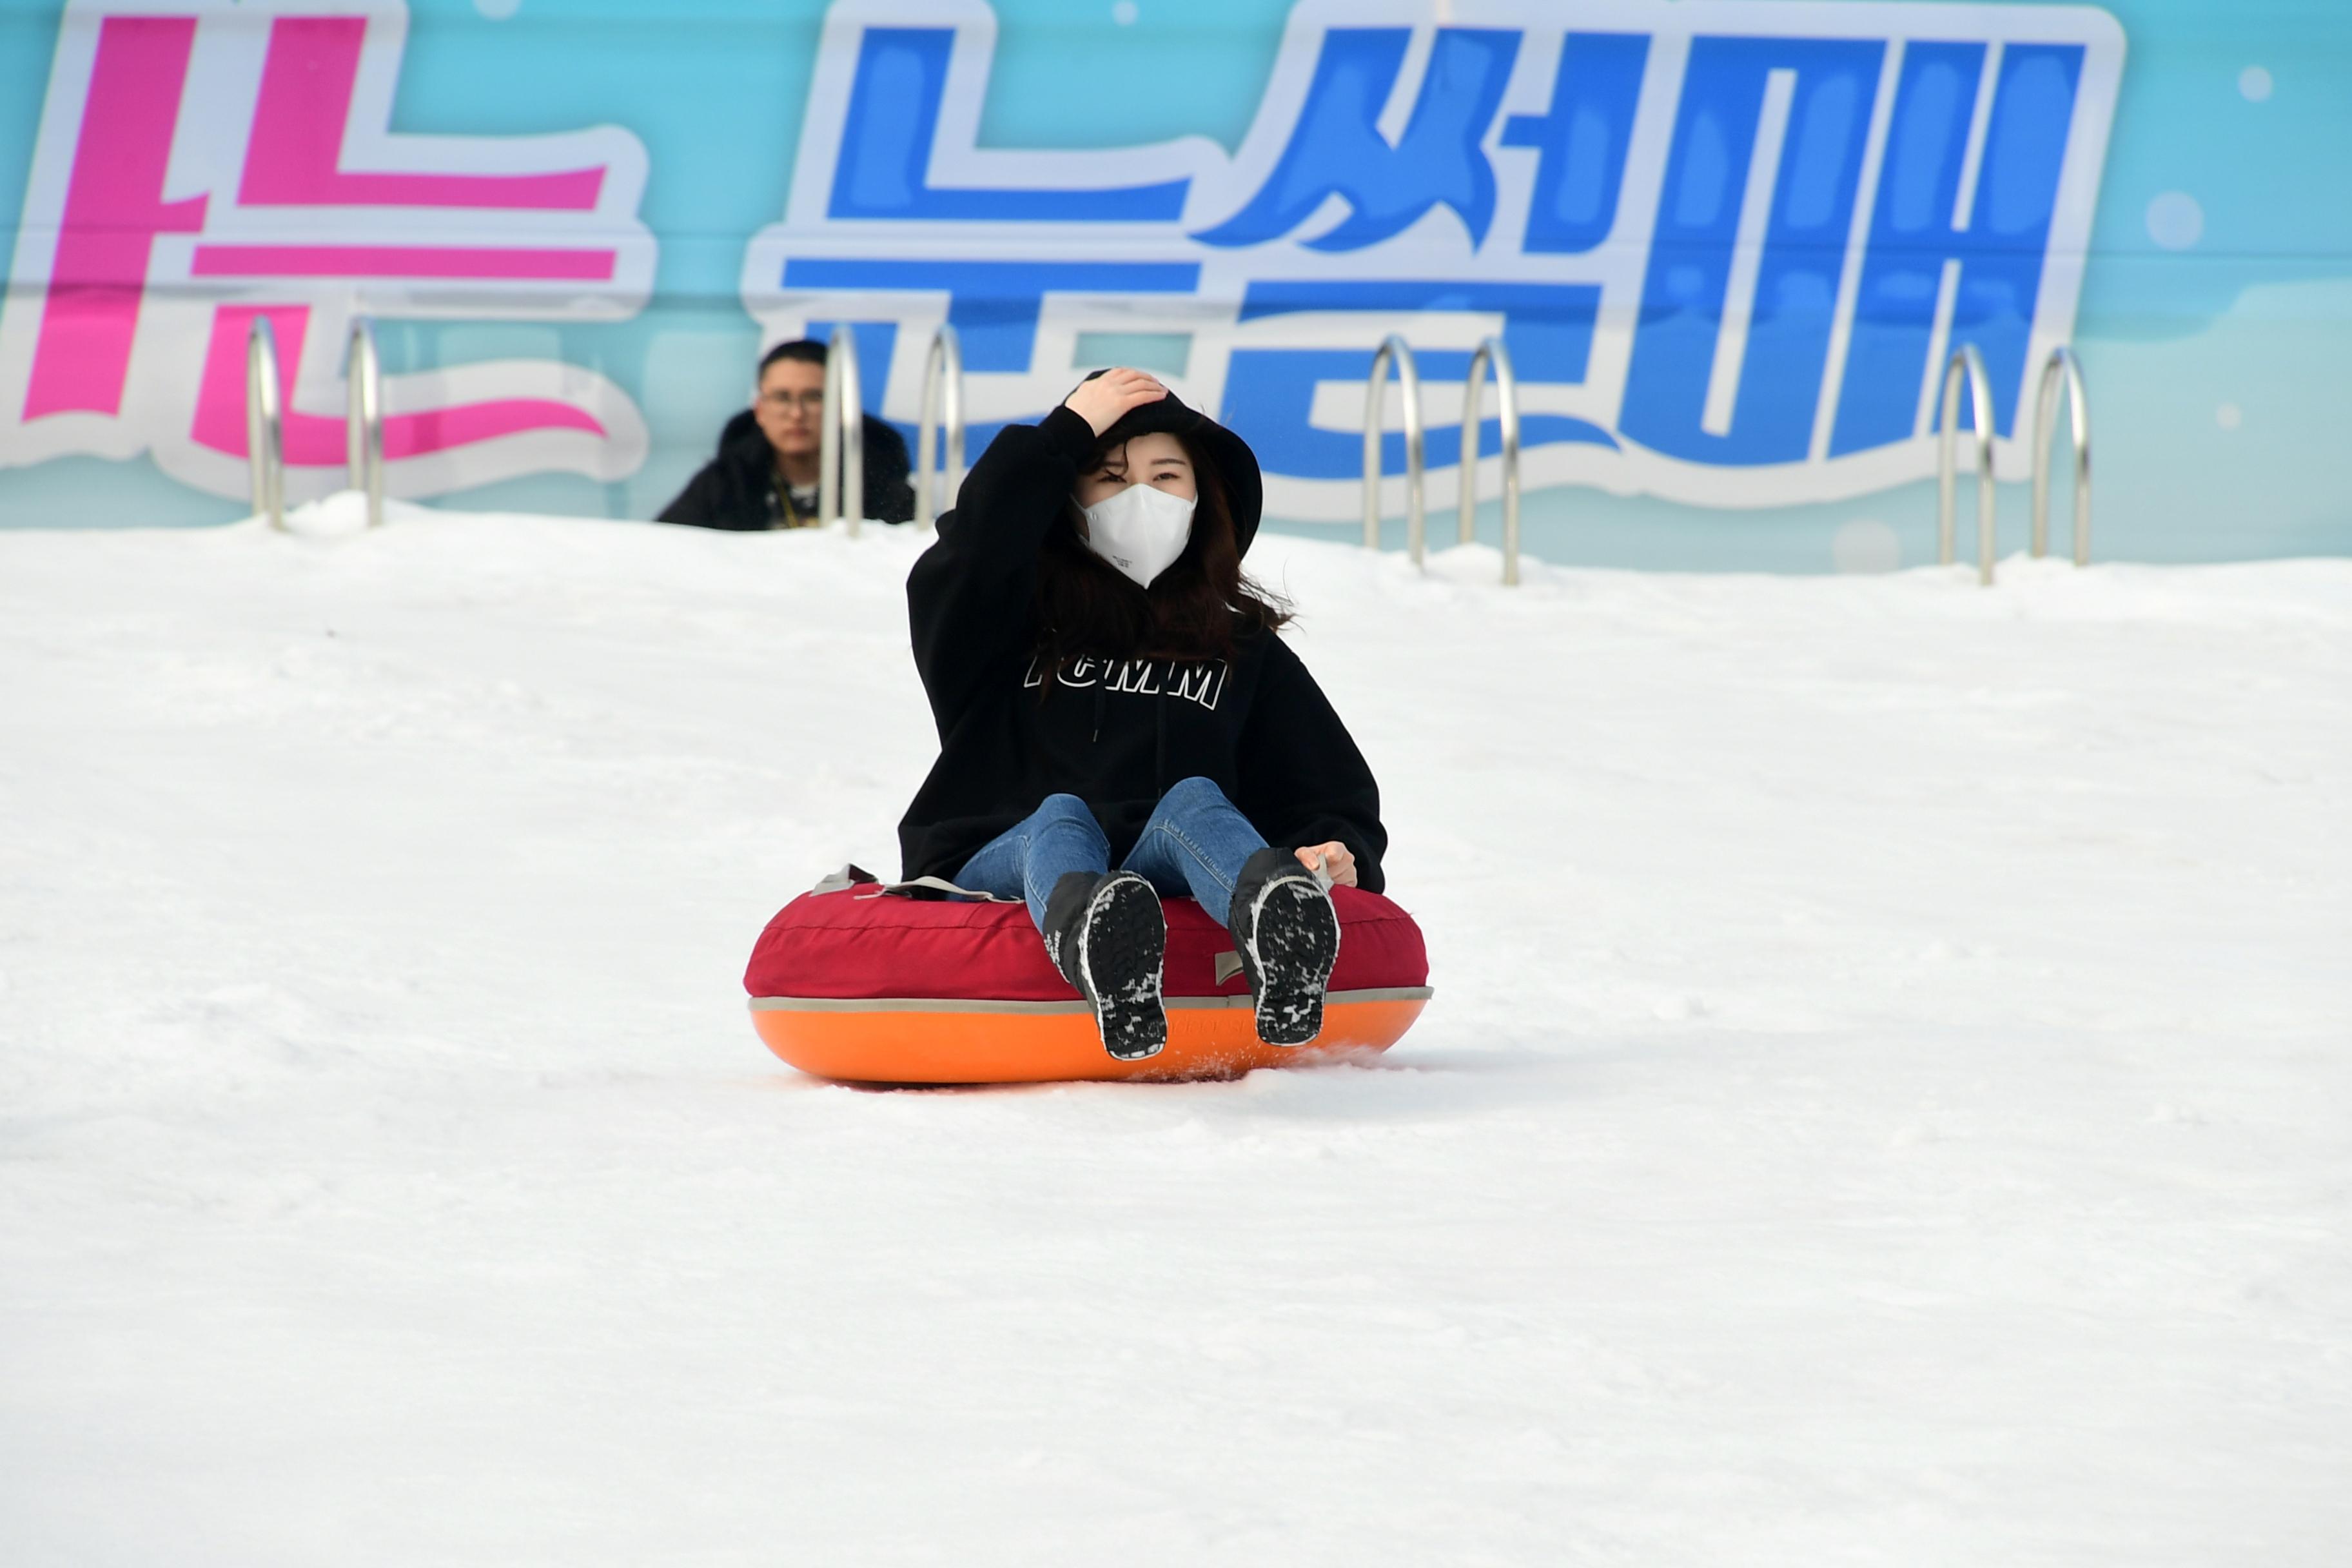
[1110, 692]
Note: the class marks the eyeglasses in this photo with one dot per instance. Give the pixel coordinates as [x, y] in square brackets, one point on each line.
[807, 402]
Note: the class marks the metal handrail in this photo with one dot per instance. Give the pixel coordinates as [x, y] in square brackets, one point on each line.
[265, 423]
[1966, 362]
[363, 422]
[1395, 350]
[1492, 354]
[841, 440]
[2061, 362]
[943, 385]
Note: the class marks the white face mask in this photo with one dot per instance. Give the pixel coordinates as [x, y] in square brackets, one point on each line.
[1141, 530]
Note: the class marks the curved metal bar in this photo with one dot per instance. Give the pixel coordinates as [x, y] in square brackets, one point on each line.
[1393, 350]
[1491, 352]
[841, 438]
[1965, 362]
[942, 383]
[265, 423]
[2063, 362]
[363, 422]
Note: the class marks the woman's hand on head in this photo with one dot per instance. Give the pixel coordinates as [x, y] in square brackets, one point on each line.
[1103, 401]
[1335, 860]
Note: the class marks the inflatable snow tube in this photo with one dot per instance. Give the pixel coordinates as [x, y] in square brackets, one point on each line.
[868, 987]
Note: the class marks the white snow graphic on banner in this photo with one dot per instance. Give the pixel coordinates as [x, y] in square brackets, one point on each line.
[198, 168]
[1729, 245]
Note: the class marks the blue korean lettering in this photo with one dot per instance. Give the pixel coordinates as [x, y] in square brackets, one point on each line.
[2000, 251]
[1336, 147]
[1582, 139]
[1548, 327]
[1761, 229]
[1270, 393]
[994, 305]
[886, 149]
[1812, 195]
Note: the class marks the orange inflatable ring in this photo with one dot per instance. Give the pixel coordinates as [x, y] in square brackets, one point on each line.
[865, 986]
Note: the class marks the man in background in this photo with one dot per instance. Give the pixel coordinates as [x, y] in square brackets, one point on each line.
[766, 470]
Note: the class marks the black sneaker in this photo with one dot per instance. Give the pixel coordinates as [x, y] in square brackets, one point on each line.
[1105, 934]
[1289, 937]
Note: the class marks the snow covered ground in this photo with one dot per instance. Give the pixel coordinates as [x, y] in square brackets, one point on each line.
[1889, 1097]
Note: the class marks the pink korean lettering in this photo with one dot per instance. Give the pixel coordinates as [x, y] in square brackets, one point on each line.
[151, 239]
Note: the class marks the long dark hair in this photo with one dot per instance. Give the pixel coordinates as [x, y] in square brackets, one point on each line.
[1196, 609]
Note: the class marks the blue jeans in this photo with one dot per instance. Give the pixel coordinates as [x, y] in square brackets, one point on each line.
[1193, 846]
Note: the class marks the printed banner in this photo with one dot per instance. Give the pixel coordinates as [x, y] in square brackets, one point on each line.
[1726, 245]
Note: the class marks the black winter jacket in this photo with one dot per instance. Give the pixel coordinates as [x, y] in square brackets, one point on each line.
[737, 488]
[1116, 732]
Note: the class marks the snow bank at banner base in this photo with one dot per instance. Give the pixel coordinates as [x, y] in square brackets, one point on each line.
[1887, 1096]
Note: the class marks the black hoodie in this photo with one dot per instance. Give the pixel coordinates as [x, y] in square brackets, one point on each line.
[1115, 732]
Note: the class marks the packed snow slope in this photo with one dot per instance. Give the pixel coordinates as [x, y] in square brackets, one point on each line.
[1889, 1097]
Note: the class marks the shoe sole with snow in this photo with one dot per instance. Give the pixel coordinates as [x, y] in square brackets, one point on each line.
[1294, 941]
[1122, 943]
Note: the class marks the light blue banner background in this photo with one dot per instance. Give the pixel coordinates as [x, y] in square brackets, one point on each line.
[2215, 319]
